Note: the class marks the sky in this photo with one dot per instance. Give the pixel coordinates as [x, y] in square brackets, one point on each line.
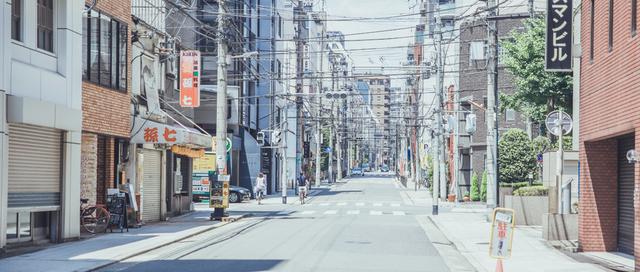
[371, 59]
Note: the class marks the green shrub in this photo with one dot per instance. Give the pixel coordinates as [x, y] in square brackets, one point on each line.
[475, 190]
[532, 191]
[518, 185]
[516, 158]
[483, 187]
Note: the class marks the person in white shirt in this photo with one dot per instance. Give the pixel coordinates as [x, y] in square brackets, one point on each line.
[261, 186]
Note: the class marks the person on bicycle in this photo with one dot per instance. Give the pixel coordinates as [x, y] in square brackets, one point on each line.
[302, 187]
[261, 186]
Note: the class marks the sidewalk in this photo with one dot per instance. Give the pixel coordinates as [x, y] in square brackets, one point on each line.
[105, 249]
[467, 227]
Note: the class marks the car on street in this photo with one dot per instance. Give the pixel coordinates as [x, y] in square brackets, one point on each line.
[384, 168]
[357, 172]
[365, 167]
[237, 194]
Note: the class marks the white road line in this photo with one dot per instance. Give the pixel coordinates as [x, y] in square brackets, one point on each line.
[377, 204]
[308, 212]
[325, 204]
[375, 213]
[359, 204]
[342, 204]
[398, 213]
[353, 212]
[331, 212]
[395, 204]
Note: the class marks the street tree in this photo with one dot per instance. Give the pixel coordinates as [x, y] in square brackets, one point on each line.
[537, 92]
[516, 156]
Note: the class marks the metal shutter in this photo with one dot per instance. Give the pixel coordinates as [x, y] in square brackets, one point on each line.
[151, 185]
[626, 183]
[35, 159]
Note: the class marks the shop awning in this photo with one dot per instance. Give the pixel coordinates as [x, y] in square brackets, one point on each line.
[146, 131]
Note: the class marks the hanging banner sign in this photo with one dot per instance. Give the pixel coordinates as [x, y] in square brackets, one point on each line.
[190, 79]
[558, 53]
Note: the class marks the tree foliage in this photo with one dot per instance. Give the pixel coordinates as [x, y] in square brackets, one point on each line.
[483, 187]
[475, 189]
[516, 157]
[537, 92]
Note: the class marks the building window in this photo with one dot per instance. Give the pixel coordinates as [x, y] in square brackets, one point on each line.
[476, 51]
[104, 51]
[610, 25]
[510, 115]
[634, 15]
[45, 25]
[16, 19]
[591, 31]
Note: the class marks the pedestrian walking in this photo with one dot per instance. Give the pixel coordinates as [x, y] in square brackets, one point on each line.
[261, 186]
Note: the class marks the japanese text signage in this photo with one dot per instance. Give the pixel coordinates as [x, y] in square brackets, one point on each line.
[190, 79]
[558, 55]
[501, 233]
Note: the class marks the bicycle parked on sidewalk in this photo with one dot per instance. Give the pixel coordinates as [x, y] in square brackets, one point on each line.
[93, 218]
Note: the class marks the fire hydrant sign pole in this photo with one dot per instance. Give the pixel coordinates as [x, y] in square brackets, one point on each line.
[502, 228]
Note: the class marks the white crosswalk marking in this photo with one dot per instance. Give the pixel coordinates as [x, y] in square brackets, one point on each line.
[377, 204]
[359, 204]
[331, 212]
[324, 204]
[375, 213]
[353, 212]
[342, 204]
[398, 213]
[308, 212]
[395, 204]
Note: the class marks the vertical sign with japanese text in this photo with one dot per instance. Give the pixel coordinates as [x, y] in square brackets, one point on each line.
[559, 36]
[502, 233]
[190, 79]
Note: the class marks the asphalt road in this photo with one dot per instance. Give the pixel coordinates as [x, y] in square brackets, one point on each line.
[362, 225]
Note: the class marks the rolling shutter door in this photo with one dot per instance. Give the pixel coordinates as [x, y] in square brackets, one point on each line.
[151, 185]
[626, 183]
[35, 158]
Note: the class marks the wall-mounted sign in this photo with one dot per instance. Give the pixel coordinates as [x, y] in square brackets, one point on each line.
[190, 78]
[150, 132]
[558, 53]
[205, 163]
[186, 151]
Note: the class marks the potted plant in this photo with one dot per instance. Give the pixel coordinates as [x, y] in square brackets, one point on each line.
[451, 198]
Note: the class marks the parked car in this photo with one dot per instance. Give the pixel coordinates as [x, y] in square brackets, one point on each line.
[357, 172]
[238, 194]
[384, 168]
[365, 167]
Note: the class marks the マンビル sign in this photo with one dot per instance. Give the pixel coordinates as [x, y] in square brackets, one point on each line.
[190, 79]
[558, 53]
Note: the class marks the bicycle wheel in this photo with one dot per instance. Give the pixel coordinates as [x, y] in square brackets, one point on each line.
[102, 219]
[88, 220]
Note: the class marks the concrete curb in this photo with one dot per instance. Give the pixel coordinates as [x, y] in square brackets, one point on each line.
[212, 227]
[457, 245]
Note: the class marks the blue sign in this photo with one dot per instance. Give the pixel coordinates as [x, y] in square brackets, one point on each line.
[327, 150]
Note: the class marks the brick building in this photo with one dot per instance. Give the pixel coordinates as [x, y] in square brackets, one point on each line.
[472, 98]
[609, 121]
[106, 120]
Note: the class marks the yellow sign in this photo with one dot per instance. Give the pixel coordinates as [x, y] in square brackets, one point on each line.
[225, 194]
[205, 163]
[189, 152]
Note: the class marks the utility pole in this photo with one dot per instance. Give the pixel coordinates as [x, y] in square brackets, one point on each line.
[492, 134]
[221, 103]
[319, 113]
[330, 170]
[438, 164]
[299, 82]
[284, 126]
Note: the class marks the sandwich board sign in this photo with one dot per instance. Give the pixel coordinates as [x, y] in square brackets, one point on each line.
[502, 228]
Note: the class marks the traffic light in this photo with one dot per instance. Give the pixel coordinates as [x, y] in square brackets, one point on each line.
[336, 95]
[260, 138]
[276, 137]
